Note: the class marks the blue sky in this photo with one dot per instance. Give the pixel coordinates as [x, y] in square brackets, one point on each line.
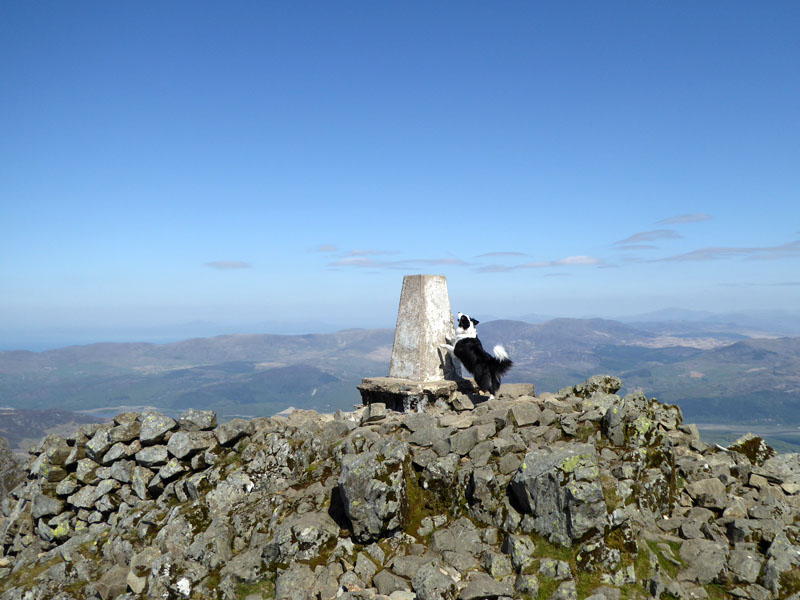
[282, 165]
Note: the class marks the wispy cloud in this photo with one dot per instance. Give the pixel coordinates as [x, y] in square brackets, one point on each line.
[326, 248]
[789, 250]
[500, 254]
[569, 261]
[563, 262]
[639, 247]
[778, 284]
[691, 218]
[365, 262]
[370, 252]
[226, 265]
[651, 236]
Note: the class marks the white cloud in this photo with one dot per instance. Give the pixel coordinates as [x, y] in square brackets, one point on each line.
[563, 262]
[499, 254]
[569, 261]
[789, 250]
[226, 265]
[651, 236]
[364, 262]
[691, 218]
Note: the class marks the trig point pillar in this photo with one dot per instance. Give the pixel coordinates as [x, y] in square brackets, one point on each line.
[421, 371]
[424, 322]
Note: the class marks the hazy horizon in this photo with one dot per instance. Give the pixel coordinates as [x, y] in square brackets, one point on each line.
[288, 164]
[37, 340]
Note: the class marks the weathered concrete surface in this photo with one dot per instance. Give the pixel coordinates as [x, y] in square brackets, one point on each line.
[424, 322]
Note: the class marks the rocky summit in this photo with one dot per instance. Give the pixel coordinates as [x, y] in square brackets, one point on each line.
[578, 494]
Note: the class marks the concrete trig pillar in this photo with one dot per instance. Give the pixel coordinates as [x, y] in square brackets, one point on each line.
[424, 322]
[421, 372]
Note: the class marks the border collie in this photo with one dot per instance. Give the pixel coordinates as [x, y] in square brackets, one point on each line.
[486, 369]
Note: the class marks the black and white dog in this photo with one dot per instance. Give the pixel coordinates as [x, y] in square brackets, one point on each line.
[486, 369]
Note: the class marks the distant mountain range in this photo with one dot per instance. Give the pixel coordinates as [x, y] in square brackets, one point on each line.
[714, 371]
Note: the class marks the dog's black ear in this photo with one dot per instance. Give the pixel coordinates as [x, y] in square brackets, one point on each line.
[474, 321]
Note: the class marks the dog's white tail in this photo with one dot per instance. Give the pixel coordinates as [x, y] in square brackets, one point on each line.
[500, 352]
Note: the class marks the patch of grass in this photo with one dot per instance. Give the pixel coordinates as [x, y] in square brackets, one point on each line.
[717, 592]
[424, 503]
[641, 563]
[610, 494]
[584, 433]
[587, 582]
[790, 582]
[26, 578]
[546, 588]
[669, 567]
[265, 587]
[546, 549]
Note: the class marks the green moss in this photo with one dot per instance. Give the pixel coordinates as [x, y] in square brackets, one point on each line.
[430, 502]
[196, 514]
[26, 578]
[546, 549]
[547, 587]
[586, 431]
[790, 582]
[669, 567]
[641, 564]
[717, 592]
[265, 587]
[585, 582]
[610, 495]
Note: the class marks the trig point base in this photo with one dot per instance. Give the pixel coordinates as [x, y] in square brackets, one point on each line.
[420, 368]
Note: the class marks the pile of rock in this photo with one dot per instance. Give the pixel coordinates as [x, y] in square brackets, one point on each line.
[570, 495]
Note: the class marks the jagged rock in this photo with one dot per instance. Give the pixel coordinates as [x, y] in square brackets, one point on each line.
[99, 444]
[67, 486]
[782, 556]
[83, 498]
[126, 431]
[431, 582]
[525, 413]
[706, 560]
[527, 584]
[231, 432]
[386, 583]
[183, 444]
[43, 506]
[566, 591]
[745, 564]
[301, 537]
[152, 456]
[754, 448]
[709, 493]
[373, 488]
[520, 549]
[483, 587]
[197, 420]
[558, 487]
[154, 428]
[122, 471]
[555, 569]
[451, 504]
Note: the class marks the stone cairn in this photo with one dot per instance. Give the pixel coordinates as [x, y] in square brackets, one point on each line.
[578, 494]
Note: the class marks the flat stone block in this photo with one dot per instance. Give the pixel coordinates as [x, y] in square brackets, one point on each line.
[404, 395]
